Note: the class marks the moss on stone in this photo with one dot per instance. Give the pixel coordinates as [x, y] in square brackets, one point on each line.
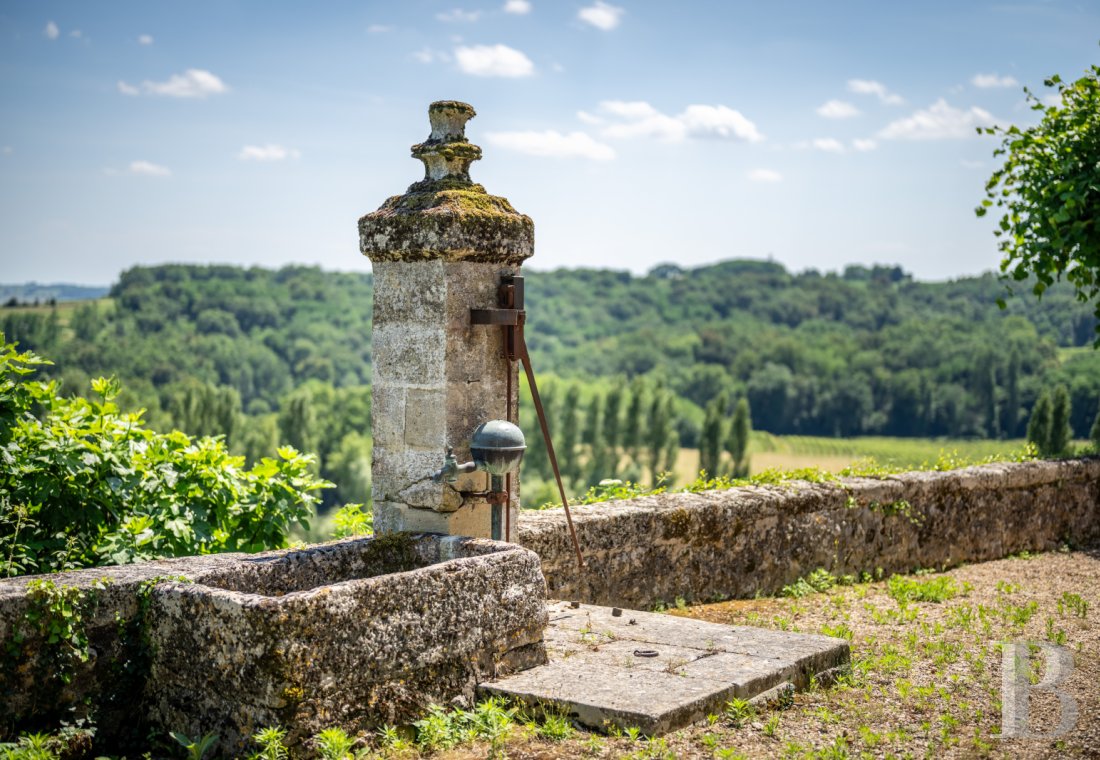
[447, 219]
[451, 150]
[445, 197]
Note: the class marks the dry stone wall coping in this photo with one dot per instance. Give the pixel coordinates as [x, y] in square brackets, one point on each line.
[743, 541]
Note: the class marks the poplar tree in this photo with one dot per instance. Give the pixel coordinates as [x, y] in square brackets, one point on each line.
[570, 434]
[985, 388]
[658, 432]
[592, 425]
[611, 427]
[1060, 432]
[712, 438]
[632, 426]
[593, 436]
[1038, 427]
[737, 444]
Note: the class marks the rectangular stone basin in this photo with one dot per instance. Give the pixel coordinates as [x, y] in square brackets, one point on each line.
[357, 634]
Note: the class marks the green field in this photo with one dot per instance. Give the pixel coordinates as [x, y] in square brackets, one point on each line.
[788, 452]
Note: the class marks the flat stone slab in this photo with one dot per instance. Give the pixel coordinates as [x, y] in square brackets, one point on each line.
[600, 674]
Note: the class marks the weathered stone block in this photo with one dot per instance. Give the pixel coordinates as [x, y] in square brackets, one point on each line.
[387, 413]
[412, 355]
[410, 293]
[398, 469]
[426, 419]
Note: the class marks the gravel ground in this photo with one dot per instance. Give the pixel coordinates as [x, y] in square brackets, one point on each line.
[926, 677]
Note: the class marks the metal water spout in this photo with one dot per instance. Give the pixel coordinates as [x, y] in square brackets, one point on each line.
[497, 447]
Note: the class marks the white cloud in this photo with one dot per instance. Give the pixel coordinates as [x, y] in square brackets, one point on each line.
[864, 145]
[589, 118]
[878, 89]
[493, 61]
[425, 55]
[379, 29]
[76, 34]
[720, 122]
[149, 169]
[267, 153]
[601, 15]
[827, 144]
[145, 39]
[553, 144]
[938, 122]
[518, 7]
[968, 164]
[193, 83]
[640, 119]
[7, 150]
[629, 109]
[458, 16]
[986, 81]
[51, 31]
[837, 109]
[765, 175]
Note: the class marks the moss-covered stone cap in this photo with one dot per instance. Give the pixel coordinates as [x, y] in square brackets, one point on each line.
[446, 215]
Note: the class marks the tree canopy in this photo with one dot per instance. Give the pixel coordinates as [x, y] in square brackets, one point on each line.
[1049, 191]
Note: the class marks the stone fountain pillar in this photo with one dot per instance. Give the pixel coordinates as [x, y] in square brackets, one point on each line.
[438, 251]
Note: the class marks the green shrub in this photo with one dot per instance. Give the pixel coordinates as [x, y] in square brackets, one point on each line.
[83, 484]
[351, 520]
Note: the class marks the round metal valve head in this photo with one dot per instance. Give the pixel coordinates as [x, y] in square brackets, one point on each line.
[497, 447]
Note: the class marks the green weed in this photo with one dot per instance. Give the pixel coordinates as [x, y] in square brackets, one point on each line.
[196, 748]
[908, 589]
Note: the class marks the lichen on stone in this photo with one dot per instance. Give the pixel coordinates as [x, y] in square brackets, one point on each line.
[446, 215]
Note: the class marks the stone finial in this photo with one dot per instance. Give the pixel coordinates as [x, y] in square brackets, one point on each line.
[447, 154]
[448, 119]
[446, 216]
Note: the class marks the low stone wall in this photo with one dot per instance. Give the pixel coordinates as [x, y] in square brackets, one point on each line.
[354, 633]
[744, 541]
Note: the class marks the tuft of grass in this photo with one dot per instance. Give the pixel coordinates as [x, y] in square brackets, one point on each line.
[903, 588]
[817, 582]
[1074, 603]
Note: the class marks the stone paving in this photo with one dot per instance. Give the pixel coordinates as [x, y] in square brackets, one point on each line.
[659, 673]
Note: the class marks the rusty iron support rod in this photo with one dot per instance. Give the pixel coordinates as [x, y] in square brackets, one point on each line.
[526, 359]
[507, 299]
[508, 475]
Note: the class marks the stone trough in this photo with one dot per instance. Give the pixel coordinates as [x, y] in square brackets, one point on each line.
[351, 634]
[354, 633]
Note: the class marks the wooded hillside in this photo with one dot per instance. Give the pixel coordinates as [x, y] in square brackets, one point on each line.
[284, 356]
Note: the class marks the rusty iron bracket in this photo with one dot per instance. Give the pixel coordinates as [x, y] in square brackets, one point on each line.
[512, 317]
[505, 317]
[510, 314]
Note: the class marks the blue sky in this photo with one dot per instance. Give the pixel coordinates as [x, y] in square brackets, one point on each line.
[634, 133]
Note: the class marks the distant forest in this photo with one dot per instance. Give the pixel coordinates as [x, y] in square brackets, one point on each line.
[267, 357]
